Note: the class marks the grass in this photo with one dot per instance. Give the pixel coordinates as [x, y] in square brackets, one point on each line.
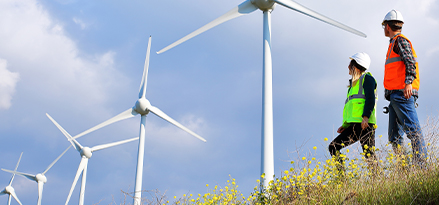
[388, 179]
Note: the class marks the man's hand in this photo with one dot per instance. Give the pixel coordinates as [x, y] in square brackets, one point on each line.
[340, 129]
[408, 91]
[365, 123]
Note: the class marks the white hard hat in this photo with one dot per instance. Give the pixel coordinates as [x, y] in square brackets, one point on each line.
[393, 15]
[362, 59]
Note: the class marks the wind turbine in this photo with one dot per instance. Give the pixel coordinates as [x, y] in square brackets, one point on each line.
[142, 107]
[86, 153]
[266, 6]
[39, 178]
[9, 189]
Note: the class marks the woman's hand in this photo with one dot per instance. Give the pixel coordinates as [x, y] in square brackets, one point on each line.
[365, 123]
[340, 129]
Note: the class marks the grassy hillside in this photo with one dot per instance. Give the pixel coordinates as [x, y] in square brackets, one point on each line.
[389, 179]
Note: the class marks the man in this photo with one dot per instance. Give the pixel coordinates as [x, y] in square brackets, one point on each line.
[401, 83]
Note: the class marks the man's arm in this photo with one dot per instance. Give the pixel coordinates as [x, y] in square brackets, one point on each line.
[405, 51]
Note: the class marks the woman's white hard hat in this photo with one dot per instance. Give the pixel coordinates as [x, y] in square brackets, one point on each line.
[362, 59]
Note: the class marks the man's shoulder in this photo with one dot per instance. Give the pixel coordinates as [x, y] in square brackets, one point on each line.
[402, 39]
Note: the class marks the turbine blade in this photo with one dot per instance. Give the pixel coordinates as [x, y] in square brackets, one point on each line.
[9, 199]
[29, 176]
[82, 164]
[83, 182]
[142, 89]
[301, 9]
[162, 115]
[244, 8]
[104, 146]
[54, 161]
[15, 170]
[72, 141]
[40, 192]
[16, 166]
[15, 197]
[122, 116]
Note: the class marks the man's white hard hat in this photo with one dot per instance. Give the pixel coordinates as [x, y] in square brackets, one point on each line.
[394, 15]
[362, 59]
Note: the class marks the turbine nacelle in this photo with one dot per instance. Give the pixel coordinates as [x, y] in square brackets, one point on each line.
[142, 106]
[41, 178]
[264, 5]
[9, 189]
[86, 151]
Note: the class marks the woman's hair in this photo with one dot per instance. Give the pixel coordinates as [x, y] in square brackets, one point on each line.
[355, 74]
[354, 63]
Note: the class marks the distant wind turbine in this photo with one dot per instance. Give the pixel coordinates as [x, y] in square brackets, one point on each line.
[86, 153]
[9, 189]
[39, 178]
[142, 107]
[266, 6]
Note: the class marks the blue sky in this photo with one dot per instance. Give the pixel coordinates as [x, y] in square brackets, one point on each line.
[82, 61]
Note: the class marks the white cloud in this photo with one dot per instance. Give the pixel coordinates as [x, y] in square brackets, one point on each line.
[49, 62]
[80, 23]
[432, 51]
[8, 81]
[426, 5]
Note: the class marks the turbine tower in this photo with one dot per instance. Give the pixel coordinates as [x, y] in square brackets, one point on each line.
[86, 153]
[266, 6]
[39, 178]
[9, 189]
[142, 107]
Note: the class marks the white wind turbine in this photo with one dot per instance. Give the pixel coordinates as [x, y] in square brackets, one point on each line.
[39, 178]
[266, 6]
[142, 107]
[86, 153]
[9, 189]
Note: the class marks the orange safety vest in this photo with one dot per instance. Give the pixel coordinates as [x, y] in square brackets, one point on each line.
[394, 72]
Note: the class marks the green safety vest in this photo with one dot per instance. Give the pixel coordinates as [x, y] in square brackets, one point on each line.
[354, 104]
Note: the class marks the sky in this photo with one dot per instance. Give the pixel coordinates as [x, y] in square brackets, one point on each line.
[82, 61]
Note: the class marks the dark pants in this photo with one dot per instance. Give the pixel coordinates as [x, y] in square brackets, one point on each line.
[351, 135]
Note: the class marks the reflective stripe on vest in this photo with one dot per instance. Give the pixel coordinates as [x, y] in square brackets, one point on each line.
[394, 72]
[354, 104]
[396, 59]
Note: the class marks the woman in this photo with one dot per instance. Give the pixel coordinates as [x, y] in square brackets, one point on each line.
[359, 110]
